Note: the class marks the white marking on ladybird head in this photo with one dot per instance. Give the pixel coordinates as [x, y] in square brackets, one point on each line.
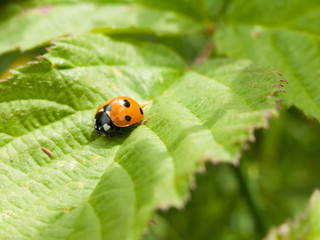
[108, 112]
[106, 127]
[121, 102]
[101, 110]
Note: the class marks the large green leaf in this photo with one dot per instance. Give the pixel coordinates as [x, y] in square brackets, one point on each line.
[281, 34]
[96, 187]
[26, 27]
[305, 226]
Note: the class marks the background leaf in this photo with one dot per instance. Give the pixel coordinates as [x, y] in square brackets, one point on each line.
[202, 10]
[281, 34]
[107, 183]
[38, 22]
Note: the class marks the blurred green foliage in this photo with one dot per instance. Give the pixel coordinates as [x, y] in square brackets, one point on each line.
[279, 172]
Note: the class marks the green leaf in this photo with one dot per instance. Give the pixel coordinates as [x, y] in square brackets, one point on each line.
[109, 188]
[29, 27]
[281, 34]
[305, 226]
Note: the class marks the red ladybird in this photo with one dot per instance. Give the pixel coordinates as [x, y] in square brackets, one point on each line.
[117, 112]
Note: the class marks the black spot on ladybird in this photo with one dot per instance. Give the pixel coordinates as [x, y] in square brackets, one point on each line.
[141, 111]
[128, 118]
[126, 103]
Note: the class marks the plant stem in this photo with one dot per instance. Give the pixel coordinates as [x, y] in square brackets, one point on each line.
[204, 55]
[250, 201]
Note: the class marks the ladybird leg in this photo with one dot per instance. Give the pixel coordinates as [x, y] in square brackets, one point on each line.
[111, 130]
[109, 134]
[118, 130]
[100, 132]
[140, 123]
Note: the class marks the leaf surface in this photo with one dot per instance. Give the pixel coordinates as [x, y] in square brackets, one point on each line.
[93, 184]
[281, 34]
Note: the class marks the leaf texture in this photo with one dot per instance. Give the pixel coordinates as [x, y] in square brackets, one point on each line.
[92, 185]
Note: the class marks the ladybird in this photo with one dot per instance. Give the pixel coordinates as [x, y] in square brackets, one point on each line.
[117, 113]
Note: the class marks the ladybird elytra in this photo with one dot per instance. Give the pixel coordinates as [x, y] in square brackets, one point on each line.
[117, 113]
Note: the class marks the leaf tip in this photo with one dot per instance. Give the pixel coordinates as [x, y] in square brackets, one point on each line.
[315, 196]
